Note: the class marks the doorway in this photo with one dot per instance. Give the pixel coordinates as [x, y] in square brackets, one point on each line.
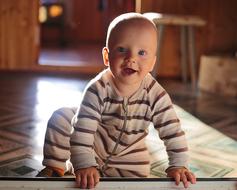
[73, 32]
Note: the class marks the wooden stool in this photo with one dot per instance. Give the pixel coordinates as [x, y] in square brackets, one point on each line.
[187, 24]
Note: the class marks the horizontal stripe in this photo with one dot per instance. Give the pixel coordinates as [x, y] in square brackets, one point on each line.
[58, 130]
[133, 132]
[128, 163]
[90, 106]
[178, 150]
[80, 116]
[49, 157]
[118, 116]
[173, 136]
[136, 151]
[80, 144]
[138, 117]
[84, 130]
[97, 95]
[65, 115]
[139, 102]
[112, 101]
[56, 145]
[162, 110]
[167, 123]
[114, 114]
[158, 98]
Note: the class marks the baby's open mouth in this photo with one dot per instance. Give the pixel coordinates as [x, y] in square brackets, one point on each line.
[129, 71]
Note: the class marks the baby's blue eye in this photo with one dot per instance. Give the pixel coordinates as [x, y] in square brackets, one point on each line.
[121, 49]
[142, 52]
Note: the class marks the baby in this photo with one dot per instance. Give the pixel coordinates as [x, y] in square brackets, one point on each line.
[119, 104]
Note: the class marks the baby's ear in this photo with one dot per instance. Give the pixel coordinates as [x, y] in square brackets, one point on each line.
[105, 53]
[153, 64]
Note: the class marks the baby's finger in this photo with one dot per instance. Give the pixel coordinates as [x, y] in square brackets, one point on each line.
[184, 179]
[191, 177]
[96, 178]
[177, 178]
[83, 182]
[90, 181]
[78, 180]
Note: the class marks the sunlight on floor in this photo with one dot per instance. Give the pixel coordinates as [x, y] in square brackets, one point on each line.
[51, 96]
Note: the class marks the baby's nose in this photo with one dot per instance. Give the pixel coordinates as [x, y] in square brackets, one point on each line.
[130, 57]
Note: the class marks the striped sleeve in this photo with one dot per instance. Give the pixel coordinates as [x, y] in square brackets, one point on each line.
[85, 125]
[168, 126]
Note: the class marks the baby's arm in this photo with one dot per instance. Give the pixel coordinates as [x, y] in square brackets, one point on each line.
[85, 125]
[181, 174]
[166, 122]
[87, 177]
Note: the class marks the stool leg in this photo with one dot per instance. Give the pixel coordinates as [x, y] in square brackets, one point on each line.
[161, 29]
[183, 45]
[192, 52]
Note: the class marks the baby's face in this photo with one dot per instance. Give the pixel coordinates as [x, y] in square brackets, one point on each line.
[132, 51]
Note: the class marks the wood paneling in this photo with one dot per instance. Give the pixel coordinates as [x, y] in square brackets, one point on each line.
[218, 36]
[19, 29]
[89, 20]
[19, 43]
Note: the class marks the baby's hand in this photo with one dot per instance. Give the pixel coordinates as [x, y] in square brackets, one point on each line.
[87, 177]
[181, 174]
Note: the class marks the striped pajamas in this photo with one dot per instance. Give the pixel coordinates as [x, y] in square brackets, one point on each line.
[109, 131]
[57, 138]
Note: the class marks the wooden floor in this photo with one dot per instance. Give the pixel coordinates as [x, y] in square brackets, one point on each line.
[217, 111]
[81, 55]
[27, 100]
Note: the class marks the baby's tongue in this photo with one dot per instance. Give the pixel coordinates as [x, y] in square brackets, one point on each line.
[129, 71]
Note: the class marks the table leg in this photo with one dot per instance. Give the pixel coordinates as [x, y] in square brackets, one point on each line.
[183, 46]
[161, 29]
[192, 52]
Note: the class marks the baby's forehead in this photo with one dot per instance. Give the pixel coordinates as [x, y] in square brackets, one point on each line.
[137, 26]
[142, 22]
[133, 25]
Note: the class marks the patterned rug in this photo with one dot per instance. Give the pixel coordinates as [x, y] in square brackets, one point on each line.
[212, 154]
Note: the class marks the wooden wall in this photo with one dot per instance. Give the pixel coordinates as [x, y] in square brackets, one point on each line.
[20, 39]
[87, 21]
[19, 34]
[217, 37]
[19, 30]
[90, 19]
